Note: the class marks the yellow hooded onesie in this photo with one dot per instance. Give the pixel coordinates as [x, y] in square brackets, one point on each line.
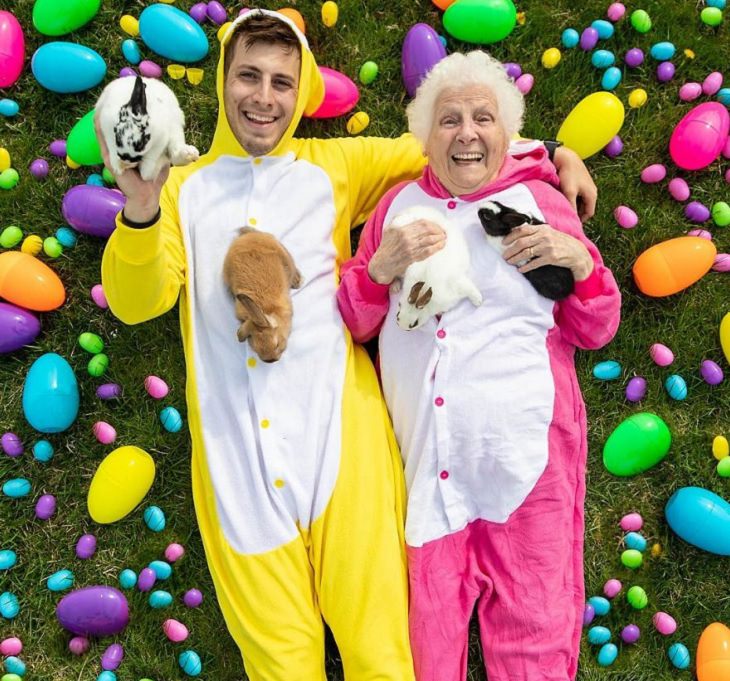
[297, 480]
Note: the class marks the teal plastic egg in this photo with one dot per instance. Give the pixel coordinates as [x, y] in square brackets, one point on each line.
[172, 34]
[676, 387]
[602, 59]
[171, 419]
[597, 636]
[127, 579]
[570, 38]
[611, 78]
[635, 541]
[482, 22]
[190, 663]
[43, 451]
[51, 394]
[605, 28]
[162, 569]
[154, 518]
[66, 237]
[61, 580]
[679, 655]
[131, 52]
[9, 606]
[160, 599]
[662, 51]
[16, 488]
[14, 665]
[607, 371]
[8, 558]
[601, 605]
[106, 675]
[67, 67]
[638, 443]
[701, 518]
[607, 655]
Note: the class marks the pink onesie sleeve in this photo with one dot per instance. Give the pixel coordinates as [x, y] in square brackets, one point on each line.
[590, 316]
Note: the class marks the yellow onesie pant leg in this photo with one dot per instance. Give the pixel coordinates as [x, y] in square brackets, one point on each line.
[358, 548]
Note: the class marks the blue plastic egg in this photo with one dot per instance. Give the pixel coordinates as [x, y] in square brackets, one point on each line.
[67, 67]
[43, 451]
[66, 237]
[127, 579]
[171, 420]
[16, 488]
[602, 59]
[611, 78]
[95, 179]
[679, 655]
[9, 108]
[189, 662]
[605, 28]
[51, 394]
[154, 518]
[107, 676]
[676, 387]
[9, 606]
[607, 655]
[61, 580]
[634, 540]
[172, 33]
[8, 558]
[600, 605]
[662, 51]
[723, 96]
[570, 38]
[131, 52]
[701, 518]
[597, 636]
[607, 371]
[162, 569]
[160, 599]
[14, 665]
[720, 4]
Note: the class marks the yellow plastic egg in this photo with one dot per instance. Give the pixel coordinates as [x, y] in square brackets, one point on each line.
[551, 57]
[72, 164]
[720, 447]
[358, 122]
[725, 336]
[195, 76]
[330, 12]
[176, 71]
[120, 483]
[4, 159]
[129, 25]
[222, 30]
[637, 98]
[32, 245]
[656, 550]
[592, 124]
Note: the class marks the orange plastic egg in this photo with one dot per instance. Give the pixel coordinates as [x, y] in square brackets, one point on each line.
[443, 4]
[713, 653]
[671, 266]
[295, 16]
[29, 283]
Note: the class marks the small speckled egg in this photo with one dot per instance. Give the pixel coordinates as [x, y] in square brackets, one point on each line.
[661, 355]
[45, 507]
[175, 631]
[607, 371]
[154, 518]
[86, 546]
[636, 389]
[679, 655]
[612, 588]
[665, 624]
[625, 217]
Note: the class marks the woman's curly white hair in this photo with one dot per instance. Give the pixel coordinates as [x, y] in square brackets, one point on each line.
[463, 70]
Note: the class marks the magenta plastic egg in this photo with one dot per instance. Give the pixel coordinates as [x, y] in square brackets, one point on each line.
[653, 173]
[711, 372]
[679, 189]
[702, 233]
[78, 645]
[97, 295]
[612, 588]
[665, 71]
[699, 137]
[193, 598]
[616, 11]
[726, 149]
[340, 94]
[525, 82]
[422, 50]
[11, 444]
[721, 263]
[104, 432]
[690, 91]
[712, 83]
[661, 355]
[156, 387]
[112, 657]
[174, 552]
[636, 389]
[631, 522]
[94, 611]
[630, 634]
[11, 646]
[614, 147]
[150, 69]
[634, 57]
[216, 12]
[12, 49]
[697, 212]
[664, 623]
[45, 507]
[92, 210]
[174, 630]
[18, 327]
[589, 38]
[625, 217]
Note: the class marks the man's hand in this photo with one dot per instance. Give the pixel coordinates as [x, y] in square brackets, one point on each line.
[576, 182]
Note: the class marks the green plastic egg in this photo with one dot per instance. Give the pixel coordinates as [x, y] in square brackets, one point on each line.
[632, 558]
[52, 247]
[637, 444]
[637, 598]
[82, 145]
[9, 178]
[721, 214]
[480, 21]
[58, 17]
[723, 467]
[11, 236]
[108, 177]
[368, 72]
[91, 343]
[641, 21]
[98, 364]
[712, 16]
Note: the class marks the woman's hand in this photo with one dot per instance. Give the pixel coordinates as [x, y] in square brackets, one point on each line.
[402, 246]
[576, 182]
[543, 245]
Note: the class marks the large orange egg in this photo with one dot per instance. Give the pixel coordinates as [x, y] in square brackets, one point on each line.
[713, 653]
[443, 4]
[29, 283]
[295, 16]
[671, 266]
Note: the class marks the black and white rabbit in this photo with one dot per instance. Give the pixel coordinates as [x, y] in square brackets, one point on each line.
[552, 281]
[143, 126]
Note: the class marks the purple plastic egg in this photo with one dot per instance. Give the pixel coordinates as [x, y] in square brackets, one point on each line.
[588, 614]
[611, 588]
[149, 69]
[422, 50]
[199, 11]
[58, 148]
[712, 83]
[589, 38]
[11, 646]
[18, 327]
[94, 611]
[127, 71]
[653, 173]
[665, 72]
[174, 552]
[216, 12]
[109, 391]
[78, 645]
[664, 623]
[625, 217]
[45, 507]
[636, 389]
[711, 372]
[690, 91]
[514, 71]
[146, 580]
[174, 630]
[193, 598]
[112, 657]
[697, 212]
[97, 295]
[662, 357]
[92, 210]
[616, 11]
[679, 189]
[634, 57]
[721, 263]
[525, 82]
[86, 546]
[11, 444]
[630, 634]
[39, 168]
[614, 147]
[104, 432]
[631, 522]
[701, 233]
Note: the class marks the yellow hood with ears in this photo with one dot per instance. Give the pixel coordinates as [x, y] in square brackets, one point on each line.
[309, 95]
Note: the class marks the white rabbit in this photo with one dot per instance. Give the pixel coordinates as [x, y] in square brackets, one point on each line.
[434, 285]
[143, 126]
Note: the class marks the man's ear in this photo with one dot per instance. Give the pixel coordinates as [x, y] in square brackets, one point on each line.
[255, 313]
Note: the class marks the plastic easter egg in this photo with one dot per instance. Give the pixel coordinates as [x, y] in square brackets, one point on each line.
[592, 123]
[192, 598]
[723, 96]
[92, 210]
[630, 634]
[679, 189]
[721, 213]
[632, 559]
[602, 59]
[172, 34]
[150, 69]
[723, 468]
[637, 98]
[16, 488]
[570, 38]
[588, 38]
[340, 94]
[129, 25]
[171, 420]
[482, 22]
[15, 666]
[513, 70]
[146, 580]
[690, 91]
[720, 447]
[607, 371]
[159, 599]
[421, 51]
[358, 122]
[98, 364]
[86, 546]
[199, 12]
[58, 17]
[154, 518]
[368, 72]
[588, 614]
[67, 67]
[93, 611]
[330, 12]
[112, 657]
[43, 451]
[600, 605]
[50, 394]
[91, 342]
[9, 606]
[97, 295]
[45, 507]
[104, 432]
[625, 217]
[127, 579]
[711, 372]
[711, 16]
[51, 247]
[676, 387]
[616, 11]
[605, 28]
[641, 21]
[665, 72]
[662, 51]
[637, 598]
[109, 391]
[699, 137]
[664, 623]
[634, 57]
[161, 569]
[614, 148]
[597, 636]
[635, 541]
[174, 552]
[653, 173]
[216, 12]
[120, 483]
[8, 558]
[638, 443]
[11, 646]
[79, 645]
[175, 631]
[8, 178]
[607, 655]
[61, 580]
[720, 4]
[11, 236]
[131, 52]
[701, 518]
[39, 168]
[672, 266]
[661, 355]
[18, 327]
[32, 245]
[697, 212]
[190, 663]
[679, 655]
[12, 49]
[295, 16]
[551, 57]
[29, 283]
[725, 336]
[722, 263]
[704, 234]
[525, 82]
[713, 653]
[636, 389]
[612, 588]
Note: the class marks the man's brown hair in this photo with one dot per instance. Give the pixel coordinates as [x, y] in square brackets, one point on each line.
[261, 28]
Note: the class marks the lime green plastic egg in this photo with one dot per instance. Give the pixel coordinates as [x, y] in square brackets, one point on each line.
[82, 145]
[480, 21]
[641, 21]
[638, 443]
[11, 236]
[91, 343]
[58, 17]
[368, 72]
[712, 16]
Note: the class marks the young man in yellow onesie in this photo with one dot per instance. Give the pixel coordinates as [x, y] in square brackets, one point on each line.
[297, 481]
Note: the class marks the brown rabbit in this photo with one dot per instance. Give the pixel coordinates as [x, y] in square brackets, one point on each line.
[259, 272]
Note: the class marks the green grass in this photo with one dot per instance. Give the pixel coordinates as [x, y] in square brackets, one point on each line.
[688, 583]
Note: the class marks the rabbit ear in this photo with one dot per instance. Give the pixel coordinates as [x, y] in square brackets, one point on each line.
[415, 292]
[424, 299]
[245, 330]
[255, 313]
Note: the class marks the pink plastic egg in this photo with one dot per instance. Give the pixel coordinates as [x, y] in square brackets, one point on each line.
[86, 546]
[11, 646]
[690, 91]
[193, 598]
[700, 136]
[616, 11]
[156, 387]
[340, 94]
[174, 630]
[45, 507]
[611, 588]
[702, 233]
[679, 189]
[712, 83]
[653, 173]
[631, 522]
[78, 645]
[636, 389]
[97, 295]
[174, 552]
[12, 49]
[149, 69]
[661, 355]
[625, 217]
[104, 432]
[525, 82]
[711, 372]
[722, 263]
[664, 624]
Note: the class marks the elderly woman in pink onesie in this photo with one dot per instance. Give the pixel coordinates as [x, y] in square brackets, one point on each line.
[484, 400]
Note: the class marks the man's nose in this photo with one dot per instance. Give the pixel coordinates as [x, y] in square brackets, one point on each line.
[264, 92]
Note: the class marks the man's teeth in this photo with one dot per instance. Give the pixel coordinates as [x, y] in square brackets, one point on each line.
[259, 119]
[469, 157]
